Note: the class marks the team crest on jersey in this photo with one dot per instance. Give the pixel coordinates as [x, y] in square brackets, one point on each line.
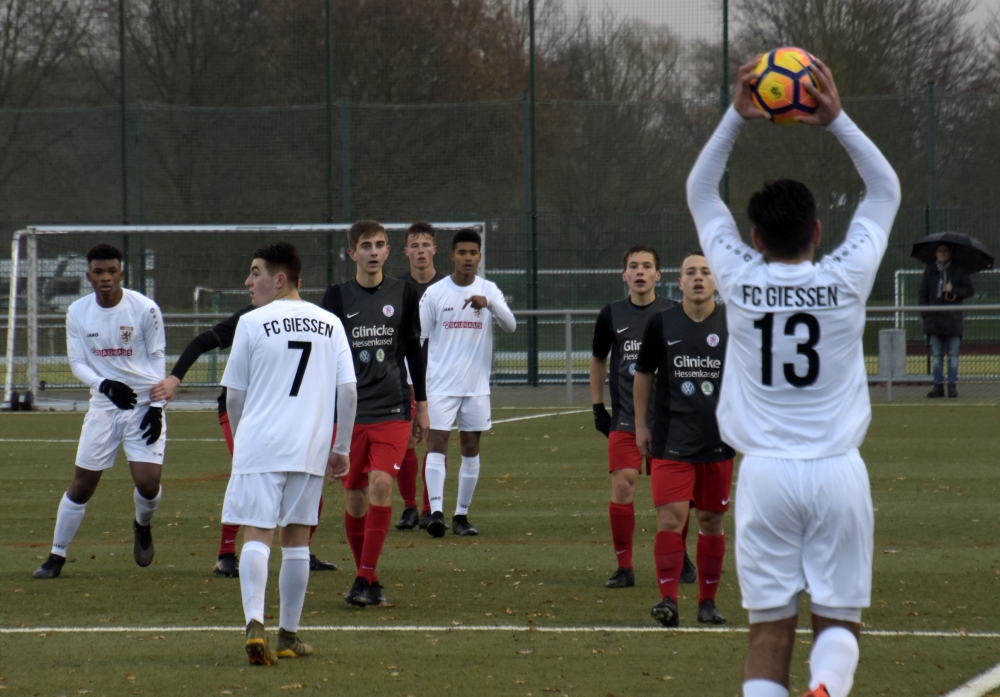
[713, 340]
[687, 387]
[388, 310]
[364, 357]
[708, 388]
[631, 368]
[478, 311]
[380, 355]
[125, 334]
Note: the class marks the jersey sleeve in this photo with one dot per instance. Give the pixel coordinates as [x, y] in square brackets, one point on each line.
[726, 252]
[857, 259]
[428, 315]
[652, 350]
[237, 374]
[225, 330]
[497, 304]
[345, 359]
[333, 302]
[77, 352]
[604, 334]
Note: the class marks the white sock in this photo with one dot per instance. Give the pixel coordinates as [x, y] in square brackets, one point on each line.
[468, 475]
[763, 688]
[833, 660]
[146, 508]
[253, 579]
[68, 521]
[434, 473]
[292, 583]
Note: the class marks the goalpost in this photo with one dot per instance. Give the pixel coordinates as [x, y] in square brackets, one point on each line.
[179, 266]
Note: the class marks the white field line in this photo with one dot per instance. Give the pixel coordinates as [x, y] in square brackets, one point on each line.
[219, 440]
[979, 685]
[477, 628]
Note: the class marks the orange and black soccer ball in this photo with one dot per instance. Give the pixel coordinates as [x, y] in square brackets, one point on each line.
[779, 90]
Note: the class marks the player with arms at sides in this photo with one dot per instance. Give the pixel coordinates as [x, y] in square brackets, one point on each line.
[685, 347]
[381, 316]
[419, 248]
[455, 319]
[794, 398]
[289, 371]
[221, 337]
[116, 346]
[619, 331]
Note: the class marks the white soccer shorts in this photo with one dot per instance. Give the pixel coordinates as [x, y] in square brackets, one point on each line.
[272, 499]
[472, 413]
[804, 525]
[103, 431]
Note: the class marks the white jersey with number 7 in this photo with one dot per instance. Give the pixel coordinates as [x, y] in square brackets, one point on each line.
[795, 384]
[288, 356]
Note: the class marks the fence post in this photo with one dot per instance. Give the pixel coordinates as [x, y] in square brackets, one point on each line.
[724, 88]
[329, 141]
[124, 110]
[569, 358]
[32, 315]
[532, 266]
[931, 160]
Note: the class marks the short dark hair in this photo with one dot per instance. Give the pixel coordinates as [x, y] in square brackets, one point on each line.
[420, 227]
[692, 253]
[467, 234]
[784, 214]
[638, 249]
[104, 252]
[281, 256]
[362, 229]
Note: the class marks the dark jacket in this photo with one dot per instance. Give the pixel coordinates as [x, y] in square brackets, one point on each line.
[944, 323]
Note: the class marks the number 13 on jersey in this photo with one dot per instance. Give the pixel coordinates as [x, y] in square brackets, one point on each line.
[805, 348]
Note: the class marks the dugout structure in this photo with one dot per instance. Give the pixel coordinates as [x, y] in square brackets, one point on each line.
[195, 273]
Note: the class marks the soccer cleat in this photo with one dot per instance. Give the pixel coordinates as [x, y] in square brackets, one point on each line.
[258, 651]
[820, 691]
[665, 612]
[709, 614]
[142, 550]
[228, 566]
[316, 564]
[952, 392]
[51, 568]
[688, 574]
[936, 391]
[460, 525]
[359, 594]
[425, 520]
[409, 519]
[623, 578]
[376, 595]
[437, 527]
[289, 645]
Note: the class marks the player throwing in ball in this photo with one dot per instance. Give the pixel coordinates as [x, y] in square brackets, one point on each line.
[116, 346]
[795, 396]
[381, 316]
[619, 330]
[289, 371]
[685, 346]
[455, 319]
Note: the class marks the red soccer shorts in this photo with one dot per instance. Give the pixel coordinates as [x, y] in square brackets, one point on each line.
[707, 485]
[623, 453]
[379, 447]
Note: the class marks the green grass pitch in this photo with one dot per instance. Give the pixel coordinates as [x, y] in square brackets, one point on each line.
[538, 565]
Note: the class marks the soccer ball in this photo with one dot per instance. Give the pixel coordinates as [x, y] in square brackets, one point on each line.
[779, 90]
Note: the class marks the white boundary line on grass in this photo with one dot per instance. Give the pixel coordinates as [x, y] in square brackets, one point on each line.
[979, 685]
[483, 628]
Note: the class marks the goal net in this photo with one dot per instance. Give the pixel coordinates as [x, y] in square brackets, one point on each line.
[195, 273]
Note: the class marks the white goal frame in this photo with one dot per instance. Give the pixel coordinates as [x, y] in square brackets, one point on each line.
[28, 238]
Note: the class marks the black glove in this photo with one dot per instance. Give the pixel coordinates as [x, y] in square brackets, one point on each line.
[602, 419]
[152, 422]
[120, 394]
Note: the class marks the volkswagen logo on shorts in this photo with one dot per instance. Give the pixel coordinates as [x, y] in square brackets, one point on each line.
[687, 387]
[388, 310]
[713, 340]
[708, 388]
[631, 368]
[364, 356]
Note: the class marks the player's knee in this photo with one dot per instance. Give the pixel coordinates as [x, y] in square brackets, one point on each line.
[710, 522]
[622, 492]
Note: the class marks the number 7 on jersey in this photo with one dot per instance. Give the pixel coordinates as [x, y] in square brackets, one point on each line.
[306, 348]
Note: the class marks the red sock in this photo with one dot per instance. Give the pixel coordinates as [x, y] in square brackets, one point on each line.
[668, 551]
[319, 514]
[622, 517]
[355, 528]
[228, 543]
[227, 431]
[427, 504]
[711, 551]
[376, 528]
[406, 479]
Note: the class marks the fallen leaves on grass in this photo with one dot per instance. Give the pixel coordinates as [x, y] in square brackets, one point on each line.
[294, 686]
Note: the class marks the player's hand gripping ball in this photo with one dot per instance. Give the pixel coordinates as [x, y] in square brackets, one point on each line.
[778, 91]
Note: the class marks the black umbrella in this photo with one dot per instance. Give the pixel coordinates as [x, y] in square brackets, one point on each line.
[967, 252]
